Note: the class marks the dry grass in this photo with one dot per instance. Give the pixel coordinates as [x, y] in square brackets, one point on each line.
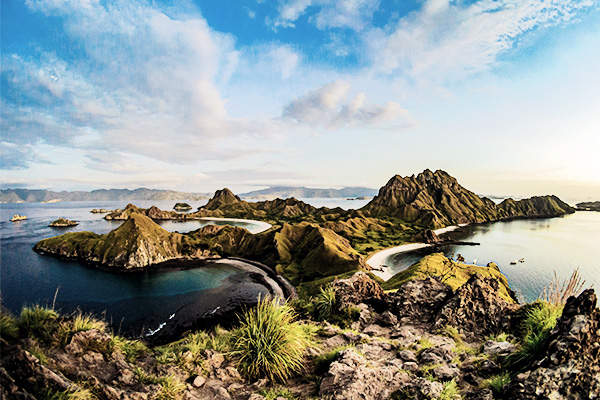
[559, 291]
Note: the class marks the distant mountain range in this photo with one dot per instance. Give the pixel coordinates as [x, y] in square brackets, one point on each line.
[31, 195]
[284, 192]
[28, 195]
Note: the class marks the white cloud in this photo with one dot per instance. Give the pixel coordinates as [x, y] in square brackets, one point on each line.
[352, 14]
[328, 106]
[446, 41]
[146, 85]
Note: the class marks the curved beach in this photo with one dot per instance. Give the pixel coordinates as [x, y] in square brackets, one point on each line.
[261, 226]
[377, 259]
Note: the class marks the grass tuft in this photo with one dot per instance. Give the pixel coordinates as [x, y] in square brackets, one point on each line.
[452, 332]
[170, 389]
[38, 321]
[275, 393]
[325, 304]
[268, 343]
[496, 383]
[133, 350]
[450, 391]
[9, 329]
[559, 291]
[78, 323]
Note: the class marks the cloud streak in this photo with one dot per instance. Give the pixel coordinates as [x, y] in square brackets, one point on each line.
[329, 107]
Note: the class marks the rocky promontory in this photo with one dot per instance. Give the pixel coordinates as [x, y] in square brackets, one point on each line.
[63, 223]
[423, 342]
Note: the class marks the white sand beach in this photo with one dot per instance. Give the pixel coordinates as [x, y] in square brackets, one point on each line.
[260, 225]
[377, 259]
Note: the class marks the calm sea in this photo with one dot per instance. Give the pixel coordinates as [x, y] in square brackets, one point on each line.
[555, 244]
[551, 244]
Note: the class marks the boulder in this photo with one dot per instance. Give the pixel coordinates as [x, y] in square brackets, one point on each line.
[417, 301]
[492, 348]
[477, 309]
[357, 289]
[569, 368]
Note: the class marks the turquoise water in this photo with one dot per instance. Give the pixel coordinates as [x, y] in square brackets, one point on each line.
[128, 299]
[550, 244]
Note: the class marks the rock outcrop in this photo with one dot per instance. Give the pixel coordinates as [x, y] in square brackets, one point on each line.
[62, 223]
[569, 368]
[18, 217]
[359, 288]
[476, 309]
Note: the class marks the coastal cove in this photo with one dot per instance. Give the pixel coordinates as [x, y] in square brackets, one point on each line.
[135, 302]
[558, 244]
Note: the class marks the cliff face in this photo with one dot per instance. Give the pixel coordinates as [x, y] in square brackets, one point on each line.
[137, 243]
[436, 199]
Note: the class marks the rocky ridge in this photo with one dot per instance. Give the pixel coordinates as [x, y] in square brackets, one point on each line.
[395, 350]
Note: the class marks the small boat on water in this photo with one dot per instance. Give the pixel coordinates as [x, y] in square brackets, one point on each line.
[514, 262]
[522, 260]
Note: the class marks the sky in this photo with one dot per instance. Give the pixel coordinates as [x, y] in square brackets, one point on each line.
[199, 95]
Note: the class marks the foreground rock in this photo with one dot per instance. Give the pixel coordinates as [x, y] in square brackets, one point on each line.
[569, 368]
[62, 223]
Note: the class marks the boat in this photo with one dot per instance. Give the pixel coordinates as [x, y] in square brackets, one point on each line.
[522, 260]
[18, 217]
[513, 262]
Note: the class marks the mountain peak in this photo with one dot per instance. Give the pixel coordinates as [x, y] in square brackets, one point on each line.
[222, 197]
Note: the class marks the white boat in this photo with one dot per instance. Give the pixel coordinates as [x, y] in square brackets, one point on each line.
[522, 260]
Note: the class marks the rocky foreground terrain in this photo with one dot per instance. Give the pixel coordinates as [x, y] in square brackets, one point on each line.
[423, 341]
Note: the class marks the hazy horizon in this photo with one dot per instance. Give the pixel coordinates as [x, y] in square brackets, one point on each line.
[199, 95]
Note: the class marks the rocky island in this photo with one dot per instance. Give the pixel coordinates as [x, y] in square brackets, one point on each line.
[62, 223]
[18, 217]
[588, 206]
[182, 207]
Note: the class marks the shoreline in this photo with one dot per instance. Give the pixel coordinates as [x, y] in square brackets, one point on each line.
[376, 260]
[263, 225]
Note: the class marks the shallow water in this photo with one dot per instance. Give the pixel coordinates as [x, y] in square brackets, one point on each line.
[130, 300]
[551, 244]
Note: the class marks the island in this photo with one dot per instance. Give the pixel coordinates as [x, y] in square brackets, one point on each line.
[102, 211]
[182, 207]
[18, 217]
[63, 223]
[588, 206]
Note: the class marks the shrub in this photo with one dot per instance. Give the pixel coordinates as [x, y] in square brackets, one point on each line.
[37, 321]
[496, 383]
[539, 320]
[450, 391]
[325, 304]
[268, 343]
[131, 349]
[9, 330]
[79, 323]
[39, 353]
[452, 332]
[170, 389]
[275, 393]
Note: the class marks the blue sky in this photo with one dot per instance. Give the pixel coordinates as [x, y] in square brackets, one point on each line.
[199, 95]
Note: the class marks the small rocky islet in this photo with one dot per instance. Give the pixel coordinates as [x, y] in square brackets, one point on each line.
[441, 329]
[63, 223]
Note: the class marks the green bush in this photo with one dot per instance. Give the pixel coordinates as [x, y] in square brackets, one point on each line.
[496, 383]
[131, 349]
[268, 343]
[78, 323]
[450, 391]
[325, 304]
[274, 393]
[9, 330]
[539, 320]
[38, 321]
[170, 389]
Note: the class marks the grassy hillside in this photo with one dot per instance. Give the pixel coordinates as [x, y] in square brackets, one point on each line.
[453, 274]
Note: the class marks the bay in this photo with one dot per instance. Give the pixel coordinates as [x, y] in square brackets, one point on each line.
[548, 245]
